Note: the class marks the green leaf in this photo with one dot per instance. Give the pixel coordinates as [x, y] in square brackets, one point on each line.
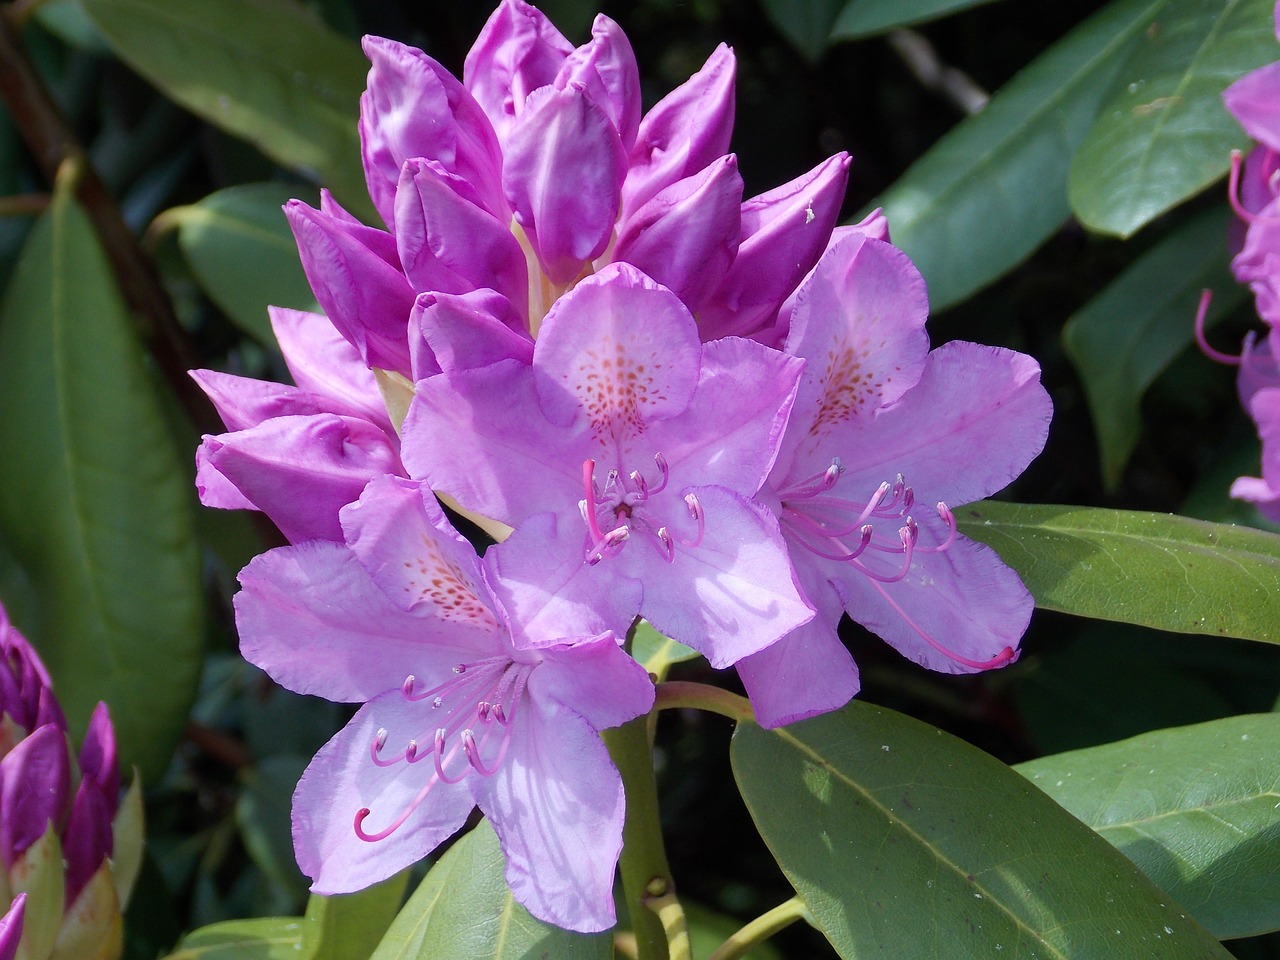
[242, 251]
[348, 927]
[863, 18]
[264, 70]
[655, 652]
[1153, 569]
[96, 503]
[262, 813]
[1194, 807]
[708, 930]
[1129, 333]
[994, 188]
[907, 843]
[1164, 133]
[463, 910]
[265, 938]
[806, 23]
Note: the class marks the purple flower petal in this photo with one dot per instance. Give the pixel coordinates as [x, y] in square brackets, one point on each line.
[1264, 492]
[98, 761]
[728, 590]
[1253, 101]
[683, 133]
[686, 237]
[517, 51]
[467, 332]
[597, 680]
[329, 457]
[449, 244]
[326, 365]
[606, 69]
[35, 785]
[366, 297]
[342, 779]
[784, 232]
[11, 927]
[593, 357]
[86, 842]
[972, 424]
[557, 807]
[311, 617]
[562, 171]
[413, 107]
[242, 402]
[807, 672]
[550, 593]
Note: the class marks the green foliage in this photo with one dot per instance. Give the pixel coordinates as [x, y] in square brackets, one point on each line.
[265, 938]
[96, 505]
[1194, 807]
[265, 70]
[863, 18]
[242, 251]
[1130, 332]
[994, 188]
[1157, 570]
[902, 821]
[1164, 134]
[463, 910]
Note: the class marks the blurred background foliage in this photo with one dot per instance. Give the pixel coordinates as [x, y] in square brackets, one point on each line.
[1057, 222]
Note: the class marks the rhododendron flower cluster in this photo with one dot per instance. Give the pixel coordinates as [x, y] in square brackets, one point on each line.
[69, 849]
[720, 415]
[1254, 192]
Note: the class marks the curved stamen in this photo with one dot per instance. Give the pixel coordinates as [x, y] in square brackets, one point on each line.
[668, 544]
[1206, 297]
[949, 519]
[473, 752]
[663, 470]
[588, 510]
[440, 759]
[908, 534]
[846, 555]
[375, 748]
[641, 484]
[1006, 655]
[1233, 195]
[695, 511]
[608, 544]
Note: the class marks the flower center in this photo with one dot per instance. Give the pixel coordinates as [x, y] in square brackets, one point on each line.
[621, 506]
[848, 531]
[473, 712]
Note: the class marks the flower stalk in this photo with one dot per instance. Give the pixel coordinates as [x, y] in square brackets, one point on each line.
[646, 877]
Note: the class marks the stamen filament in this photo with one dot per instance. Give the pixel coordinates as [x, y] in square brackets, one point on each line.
[1007, 655]
[1206, 297]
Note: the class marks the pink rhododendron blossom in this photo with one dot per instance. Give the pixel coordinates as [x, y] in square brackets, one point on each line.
[884, 435]
[328, 436]
[402, 616]
[627, 456]
[1254, 100]
[59, 812]
[537, 169]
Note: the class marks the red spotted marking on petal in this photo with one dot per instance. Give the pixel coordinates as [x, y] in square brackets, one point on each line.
[614, 388]
[850, 388]
[439, 581]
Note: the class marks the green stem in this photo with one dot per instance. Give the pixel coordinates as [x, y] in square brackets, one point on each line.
[759, 930]
[646, 877]
[683, 693]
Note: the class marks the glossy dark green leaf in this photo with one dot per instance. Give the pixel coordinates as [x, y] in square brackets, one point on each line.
[1153, 569]
[806, 23]
[907, 843]
[1164, 134]
[348, 927]
[861, 18]
[1197, 808]
[995, 187]
[463, 910]
[97, 504]
[242, 251]
[265, 938]
[1125, 336]
[265, 70]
